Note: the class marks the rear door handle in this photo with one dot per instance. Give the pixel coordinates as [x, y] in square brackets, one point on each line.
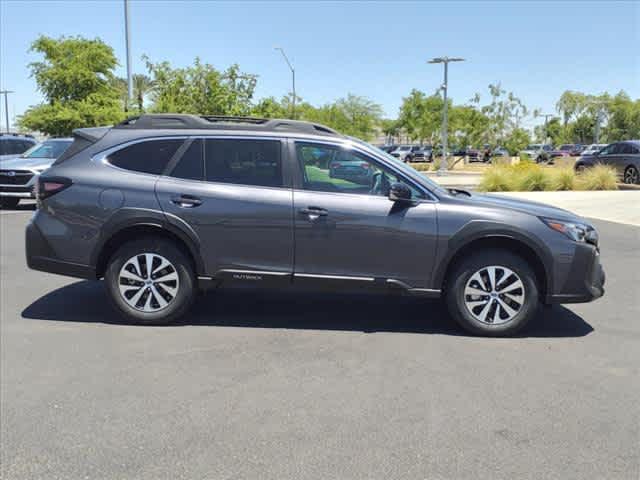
[186, 201]
[314, 212]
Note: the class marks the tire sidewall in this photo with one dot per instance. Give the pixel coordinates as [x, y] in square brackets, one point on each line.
[464, 271]
[186, 281]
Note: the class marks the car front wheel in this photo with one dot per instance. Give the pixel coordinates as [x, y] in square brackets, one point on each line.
[150, 281]
[492, 293]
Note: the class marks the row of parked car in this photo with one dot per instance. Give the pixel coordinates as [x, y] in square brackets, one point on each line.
[426, 153]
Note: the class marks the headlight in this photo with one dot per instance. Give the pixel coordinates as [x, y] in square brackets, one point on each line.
[578, 232]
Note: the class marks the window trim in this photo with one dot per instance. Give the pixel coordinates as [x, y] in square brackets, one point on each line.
[430, 197]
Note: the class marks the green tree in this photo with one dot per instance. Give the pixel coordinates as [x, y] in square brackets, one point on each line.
[421, 116]
[517, 140]
[142, 86]
[76, 79]
[201, 89]
[504, 113]
[391, 129]
[269, 108]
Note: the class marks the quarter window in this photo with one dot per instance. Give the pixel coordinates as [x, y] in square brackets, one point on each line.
[244, 162]
[332, 169]
[146, 157]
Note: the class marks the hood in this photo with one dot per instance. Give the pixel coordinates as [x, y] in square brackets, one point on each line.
[20, 163]
[525, 206]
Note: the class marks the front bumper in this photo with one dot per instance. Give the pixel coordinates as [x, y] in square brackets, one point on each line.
[585, 281]
[18, 183]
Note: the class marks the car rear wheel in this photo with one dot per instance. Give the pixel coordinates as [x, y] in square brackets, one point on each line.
[150, 281]
[492, 293]
[9, 202]
[580, 168]
[631, 175]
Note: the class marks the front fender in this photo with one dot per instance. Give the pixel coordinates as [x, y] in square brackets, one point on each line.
[486, 231]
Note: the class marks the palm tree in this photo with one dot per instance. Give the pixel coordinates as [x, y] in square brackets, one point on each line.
[142, 86]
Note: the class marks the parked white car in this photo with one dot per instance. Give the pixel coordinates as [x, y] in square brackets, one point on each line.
[592, 149]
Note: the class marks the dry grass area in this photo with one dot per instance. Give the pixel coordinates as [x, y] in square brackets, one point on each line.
[530, 177]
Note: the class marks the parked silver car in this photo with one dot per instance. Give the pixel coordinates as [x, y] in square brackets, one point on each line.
[18, 175]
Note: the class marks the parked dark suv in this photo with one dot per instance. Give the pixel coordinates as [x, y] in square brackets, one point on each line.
[163, 205]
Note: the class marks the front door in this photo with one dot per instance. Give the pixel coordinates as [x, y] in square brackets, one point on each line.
[231, 193]
[348, 230]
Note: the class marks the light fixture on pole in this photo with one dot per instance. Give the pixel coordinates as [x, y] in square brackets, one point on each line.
[293, 80]
[127, 36]
[445, 60]
[6, 106]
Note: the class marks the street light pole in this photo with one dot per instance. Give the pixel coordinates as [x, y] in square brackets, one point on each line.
[6, 106]
[293, 80]
[443, 164]
[127, 35]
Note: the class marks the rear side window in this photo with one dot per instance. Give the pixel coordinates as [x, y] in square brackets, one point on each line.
[146, 157]
[245, 162]
[191, 165]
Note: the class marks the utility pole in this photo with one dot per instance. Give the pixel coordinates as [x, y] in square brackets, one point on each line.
[127, 36]
[443, 164]
[293, 80]
[6, 106]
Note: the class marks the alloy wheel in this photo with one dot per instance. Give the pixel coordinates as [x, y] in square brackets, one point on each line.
[631, 176]
[494, 295]
[148, 282]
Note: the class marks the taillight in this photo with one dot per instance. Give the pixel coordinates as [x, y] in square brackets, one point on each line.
[47, 186]
[364, 165]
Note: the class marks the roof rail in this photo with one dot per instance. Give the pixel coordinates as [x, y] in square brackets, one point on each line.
[217, 122]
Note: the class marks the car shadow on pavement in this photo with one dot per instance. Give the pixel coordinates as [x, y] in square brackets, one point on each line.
[86, 301]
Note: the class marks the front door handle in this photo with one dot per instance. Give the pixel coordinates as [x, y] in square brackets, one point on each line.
[314, 212]
[186, 201]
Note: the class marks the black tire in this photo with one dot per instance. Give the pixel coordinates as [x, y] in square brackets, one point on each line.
[9, 202]
[631, 175]
[580, 167]
[462, 273]
[186, 285]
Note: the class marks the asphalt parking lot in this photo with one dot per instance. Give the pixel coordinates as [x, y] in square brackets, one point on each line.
[314, 386]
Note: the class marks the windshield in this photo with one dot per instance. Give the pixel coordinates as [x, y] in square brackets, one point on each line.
[404, 148]
[566, 147]
[48, 149]
[535, 146]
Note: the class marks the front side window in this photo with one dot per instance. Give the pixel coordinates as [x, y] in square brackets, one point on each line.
[609, 149]
[327, 168]
[150, 156]
[244, 162]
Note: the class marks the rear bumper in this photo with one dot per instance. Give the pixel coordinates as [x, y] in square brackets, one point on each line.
[40, 256]
[586, 279]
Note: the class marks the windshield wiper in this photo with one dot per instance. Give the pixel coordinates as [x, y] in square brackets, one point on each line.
[457, 191]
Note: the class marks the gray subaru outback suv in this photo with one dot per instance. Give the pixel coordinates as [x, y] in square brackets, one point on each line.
[162, 206]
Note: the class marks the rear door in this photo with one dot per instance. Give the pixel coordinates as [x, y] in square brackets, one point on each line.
[348, 231]
[233, 194]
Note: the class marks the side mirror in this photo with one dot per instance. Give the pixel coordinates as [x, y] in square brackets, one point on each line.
[399, 192]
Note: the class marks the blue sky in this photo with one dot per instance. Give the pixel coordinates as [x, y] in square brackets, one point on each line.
[375, 49]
